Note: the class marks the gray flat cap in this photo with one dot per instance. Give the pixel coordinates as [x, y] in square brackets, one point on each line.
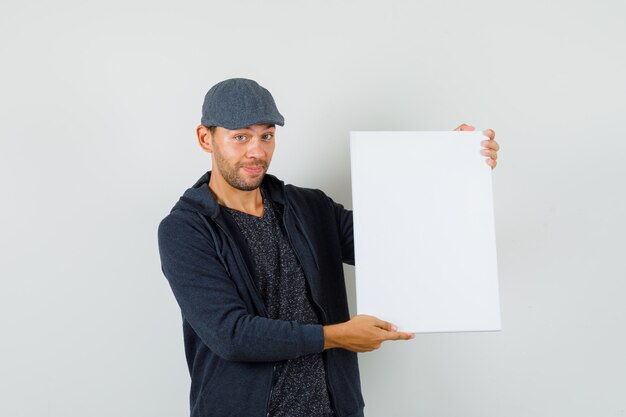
[237, 103]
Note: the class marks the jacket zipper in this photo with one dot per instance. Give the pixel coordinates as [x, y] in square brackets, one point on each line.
[269, 397]
[319, 307]
[331, 395]
[308, 241]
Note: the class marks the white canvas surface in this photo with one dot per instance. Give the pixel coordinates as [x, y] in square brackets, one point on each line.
[424, 230]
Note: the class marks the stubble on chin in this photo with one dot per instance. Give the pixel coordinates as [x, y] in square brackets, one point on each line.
[233, 176]
[235, 180]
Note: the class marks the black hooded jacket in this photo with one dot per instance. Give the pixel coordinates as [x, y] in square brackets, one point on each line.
[230, 344]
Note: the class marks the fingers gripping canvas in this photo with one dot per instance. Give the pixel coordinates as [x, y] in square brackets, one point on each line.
[424, 231]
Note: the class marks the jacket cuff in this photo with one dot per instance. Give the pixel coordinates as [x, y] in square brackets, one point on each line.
[313, 338]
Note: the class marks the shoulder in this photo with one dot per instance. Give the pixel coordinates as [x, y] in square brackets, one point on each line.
[306, 196]
[183, 227]
[311, 205]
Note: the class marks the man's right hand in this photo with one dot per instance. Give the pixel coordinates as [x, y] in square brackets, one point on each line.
[362, 334]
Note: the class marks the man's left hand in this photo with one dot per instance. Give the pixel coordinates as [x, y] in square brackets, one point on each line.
[490, 146]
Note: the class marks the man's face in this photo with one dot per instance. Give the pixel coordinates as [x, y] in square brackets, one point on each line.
[243, 156]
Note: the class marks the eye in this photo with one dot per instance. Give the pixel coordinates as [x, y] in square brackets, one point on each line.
[239, 138]
[268, 136]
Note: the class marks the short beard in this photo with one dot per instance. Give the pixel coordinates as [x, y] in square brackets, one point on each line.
[237, 182]
[231, 176]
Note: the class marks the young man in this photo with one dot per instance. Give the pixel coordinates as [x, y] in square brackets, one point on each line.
[256, 267]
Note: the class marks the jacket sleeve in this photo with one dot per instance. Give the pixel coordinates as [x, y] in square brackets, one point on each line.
[210, 302]
[343, 217]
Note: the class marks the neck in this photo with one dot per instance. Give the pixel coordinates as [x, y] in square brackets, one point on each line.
[250, 202]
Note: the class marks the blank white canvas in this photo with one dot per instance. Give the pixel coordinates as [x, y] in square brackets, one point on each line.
[424, 231]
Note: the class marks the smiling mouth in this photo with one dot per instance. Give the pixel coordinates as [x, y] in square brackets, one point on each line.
[253, 169]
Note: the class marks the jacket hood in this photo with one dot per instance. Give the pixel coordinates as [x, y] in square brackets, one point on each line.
[199, 197]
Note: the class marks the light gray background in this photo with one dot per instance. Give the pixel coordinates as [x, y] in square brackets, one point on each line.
[98, 106]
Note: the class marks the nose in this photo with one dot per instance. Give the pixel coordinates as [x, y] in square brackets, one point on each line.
[255, 149]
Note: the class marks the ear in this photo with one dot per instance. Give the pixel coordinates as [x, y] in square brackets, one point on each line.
[204, 138]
